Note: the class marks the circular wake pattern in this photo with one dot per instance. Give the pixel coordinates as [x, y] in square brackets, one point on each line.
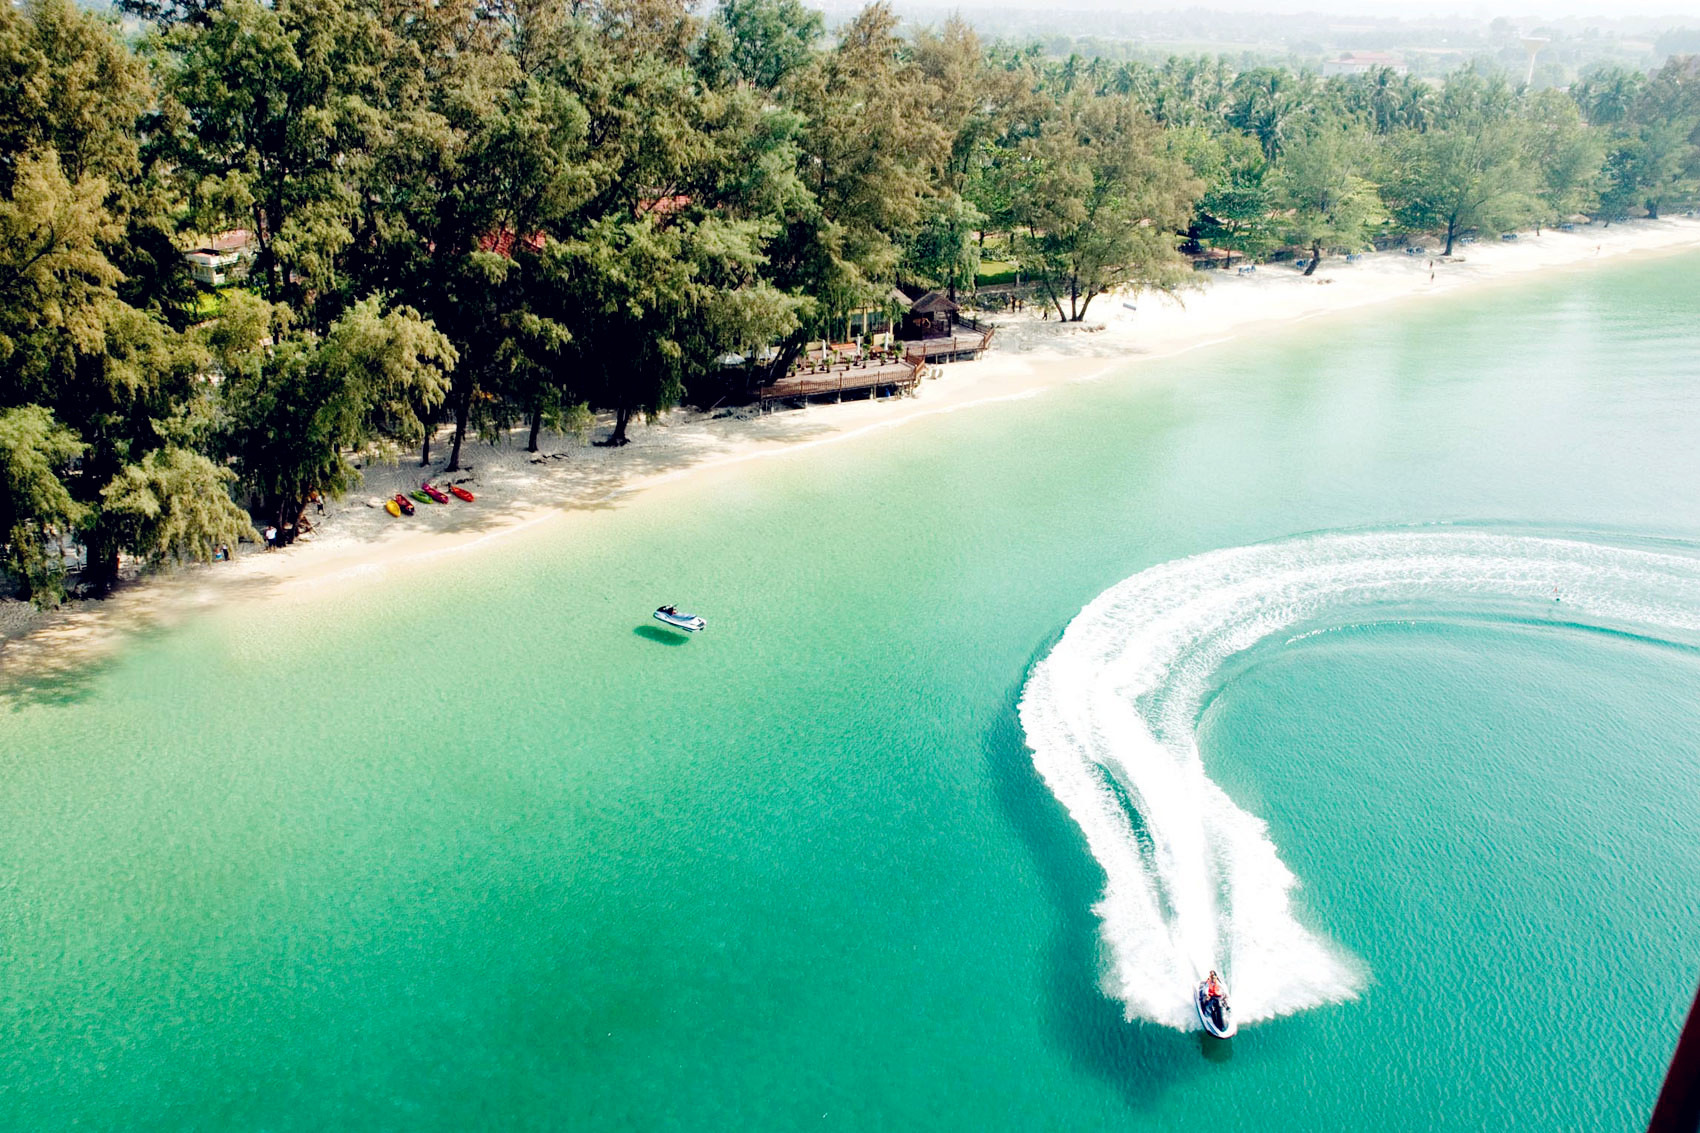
[1193, 882]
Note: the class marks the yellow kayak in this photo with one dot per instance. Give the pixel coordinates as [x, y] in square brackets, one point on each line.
[393, 508]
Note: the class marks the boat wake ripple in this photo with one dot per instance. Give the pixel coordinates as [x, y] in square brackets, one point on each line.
[1191, 880]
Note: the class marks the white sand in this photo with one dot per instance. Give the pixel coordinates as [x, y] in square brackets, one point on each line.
[517, 490]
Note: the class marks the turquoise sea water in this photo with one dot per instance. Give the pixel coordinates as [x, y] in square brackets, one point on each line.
[479, 847]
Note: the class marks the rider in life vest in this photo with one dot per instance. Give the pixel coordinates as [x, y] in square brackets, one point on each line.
[1213, 988]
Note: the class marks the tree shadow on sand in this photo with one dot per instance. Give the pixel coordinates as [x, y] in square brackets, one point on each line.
[1141, 1061]
[59, 660]
[51, 689]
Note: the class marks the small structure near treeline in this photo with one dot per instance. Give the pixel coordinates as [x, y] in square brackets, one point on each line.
[933, 315]
[927, 330]
[922, 331]
[934, 329]
[222, 258]
[1215, 259]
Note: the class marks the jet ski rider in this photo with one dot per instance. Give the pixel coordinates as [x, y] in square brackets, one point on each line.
[1213, 986]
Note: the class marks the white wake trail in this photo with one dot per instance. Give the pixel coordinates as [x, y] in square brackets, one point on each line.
[1191, 880]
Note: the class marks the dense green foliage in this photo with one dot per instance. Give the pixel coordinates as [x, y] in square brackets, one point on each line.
[490, 213]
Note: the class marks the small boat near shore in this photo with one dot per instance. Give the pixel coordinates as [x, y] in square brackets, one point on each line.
[420, 496]
[461, 493]
[678, 619]
[393, 508]
[436, 494]
[402, 502]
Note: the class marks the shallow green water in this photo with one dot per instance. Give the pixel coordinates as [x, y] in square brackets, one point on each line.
[481, 850]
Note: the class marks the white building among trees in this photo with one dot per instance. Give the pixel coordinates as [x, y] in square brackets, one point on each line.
[1362, 63]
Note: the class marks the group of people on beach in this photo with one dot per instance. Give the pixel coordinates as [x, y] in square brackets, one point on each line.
[281, 537]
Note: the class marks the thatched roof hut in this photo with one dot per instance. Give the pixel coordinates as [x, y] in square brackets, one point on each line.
[934, 304]
[930, 316]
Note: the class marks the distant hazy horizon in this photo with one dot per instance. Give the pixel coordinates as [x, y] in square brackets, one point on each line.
[1517, 11]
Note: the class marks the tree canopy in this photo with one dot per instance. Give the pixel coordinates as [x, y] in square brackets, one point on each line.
[482, 214]
[1102, 195]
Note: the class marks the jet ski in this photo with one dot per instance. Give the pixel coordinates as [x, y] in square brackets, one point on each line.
[690, 623]
[1214, 1014]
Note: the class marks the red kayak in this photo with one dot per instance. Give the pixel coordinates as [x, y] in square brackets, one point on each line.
[405, 504]
[425, 486]
[461, 493]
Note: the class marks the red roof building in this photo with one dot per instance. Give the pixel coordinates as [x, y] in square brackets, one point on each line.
[502, 242]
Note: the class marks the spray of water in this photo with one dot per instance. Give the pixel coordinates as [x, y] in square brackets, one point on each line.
[1191, 880]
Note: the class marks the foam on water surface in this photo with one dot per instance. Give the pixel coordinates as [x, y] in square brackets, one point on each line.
[1193, 881]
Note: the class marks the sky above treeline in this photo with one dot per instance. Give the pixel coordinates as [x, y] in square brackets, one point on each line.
[1523, 12]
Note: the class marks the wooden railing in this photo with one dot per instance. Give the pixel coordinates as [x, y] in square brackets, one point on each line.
[838, 380]
[926, 349]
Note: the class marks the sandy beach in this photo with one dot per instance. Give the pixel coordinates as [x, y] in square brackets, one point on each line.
[356, 541]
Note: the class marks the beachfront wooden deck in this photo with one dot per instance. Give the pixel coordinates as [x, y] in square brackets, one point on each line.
[869, 377]
[962, 346]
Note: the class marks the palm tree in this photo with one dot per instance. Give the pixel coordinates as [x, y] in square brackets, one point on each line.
[1266, 101]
